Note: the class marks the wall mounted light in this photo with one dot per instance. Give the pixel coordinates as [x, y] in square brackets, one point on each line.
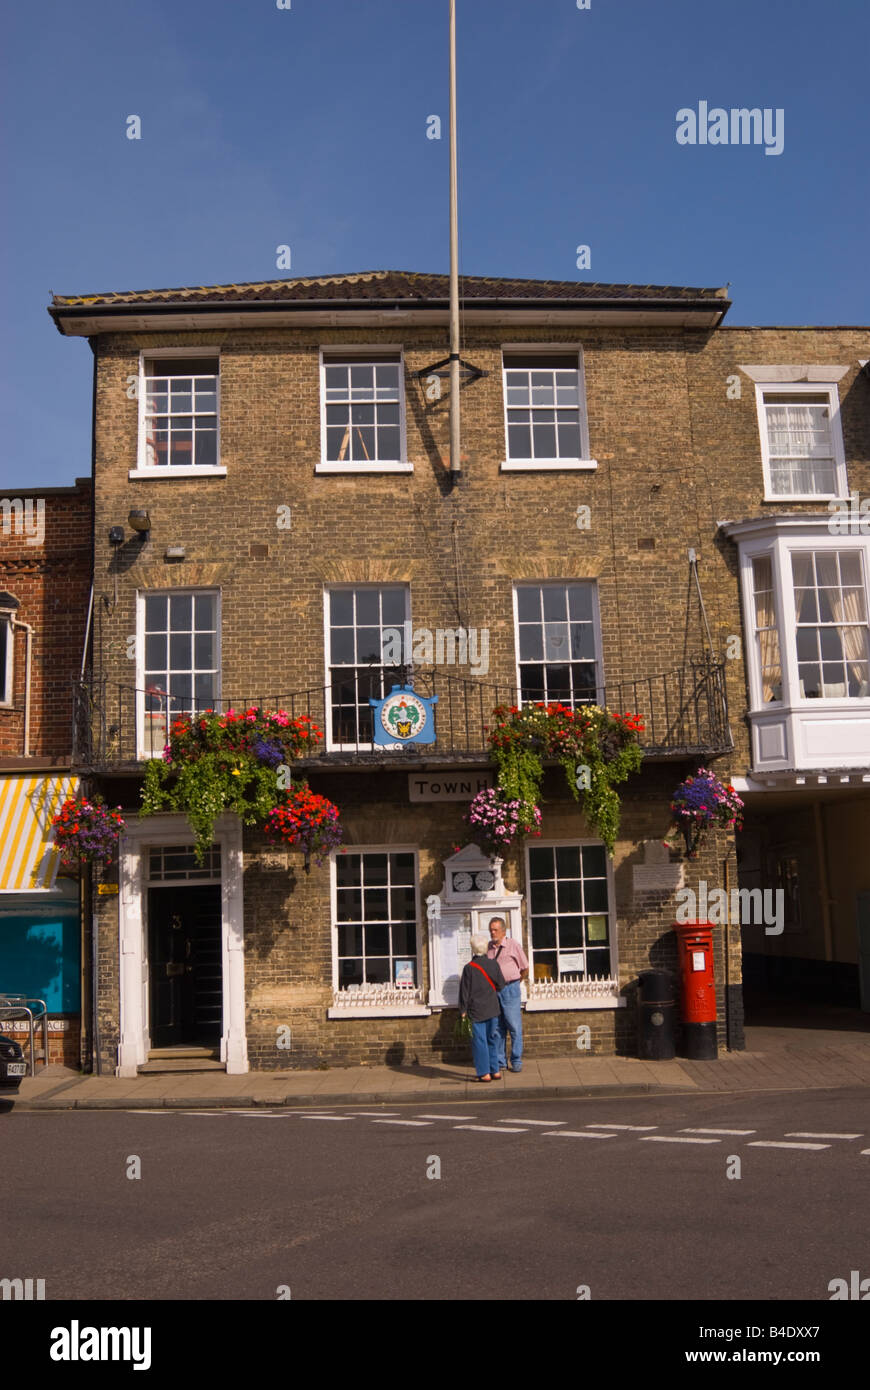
[140, 520]
[116, 535]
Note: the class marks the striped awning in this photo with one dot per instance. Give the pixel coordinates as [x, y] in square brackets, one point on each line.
[28, 862]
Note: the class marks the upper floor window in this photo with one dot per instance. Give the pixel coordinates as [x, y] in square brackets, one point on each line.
[179, 660]
[831, 620]
[6, 640]
[801, 442]
[356, 619]
[558, 643]
[766, 633]
[545, 410]
[179, 415]
[363, 412]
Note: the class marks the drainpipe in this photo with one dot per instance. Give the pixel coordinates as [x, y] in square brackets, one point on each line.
[28, 653]
[455, 462]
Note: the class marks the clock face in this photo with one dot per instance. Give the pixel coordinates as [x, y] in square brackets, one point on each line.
[484, 881]
[462, 883]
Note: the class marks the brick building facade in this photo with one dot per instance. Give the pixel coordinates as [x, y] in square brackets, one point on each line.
[45, 574]
[288, 444]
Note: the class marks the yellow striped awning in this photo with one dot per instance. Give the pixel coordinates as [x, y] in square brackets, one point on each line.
[28, 862]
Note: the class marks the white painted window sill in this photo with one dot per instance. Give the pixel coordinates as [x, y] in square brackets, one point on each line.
[542, 465]
[387, 1011]
[824, 497]
[350, 468]
[577, 1002]
[181, 471]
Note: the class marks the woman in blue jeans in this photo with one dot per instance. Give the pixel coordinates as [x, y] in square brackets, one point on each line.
[479, 985]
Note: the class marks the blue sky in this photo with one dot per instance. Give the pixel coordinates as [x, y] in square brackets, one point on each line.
[307, 127]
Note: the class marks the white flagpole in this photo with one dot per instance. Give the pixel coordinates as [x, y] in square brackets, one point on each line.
[455, 464]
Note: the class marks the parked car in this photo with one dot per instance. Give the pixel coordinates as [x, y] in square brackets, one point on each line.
[12, 1064]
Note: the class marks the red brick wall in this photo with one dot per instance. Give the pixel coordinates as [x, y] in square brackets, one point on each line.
[51, 580]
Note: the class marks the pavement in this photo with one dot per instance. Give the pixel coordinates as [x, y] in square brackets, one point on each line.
[776, 1059]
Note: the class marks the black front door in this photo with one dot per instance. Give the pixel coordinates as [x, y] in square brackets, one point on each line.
[185, 965]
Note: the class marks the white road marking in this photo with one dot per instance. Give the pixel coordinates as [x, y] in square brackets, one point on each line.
[401, 1122]
[865, 1151]
[380, 1114]
[492, 1129]
[638, 1127]
[781, 1144]
[326, 1117]
[448, 1117]
[514, 1120]
[578, 1134]
[674, 1139]
[810, 1134]
[167, 1112]
[718, 1131]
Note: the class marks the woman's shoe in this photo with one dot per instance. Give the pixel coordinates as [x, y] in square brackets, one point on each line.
[485, 1078]
[496, 1076]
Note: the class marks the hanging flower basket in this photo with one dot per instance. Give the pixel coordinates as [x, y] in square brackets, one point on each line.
[698, 803]
[305, 821]
[596, 749]
[497, 820]
[86, 830]
[225, 762]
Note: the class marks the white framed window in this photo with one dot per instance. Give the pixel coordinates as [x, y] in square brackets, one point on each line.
[801, 441]
[831, 630]
[376, 945]
[558, 642]
[6, 654]
[569, 912]
[356, 618]
[179, 414]
[807, 594]
[545, 410]
[362, 401]
[769, 662]
[178, 660]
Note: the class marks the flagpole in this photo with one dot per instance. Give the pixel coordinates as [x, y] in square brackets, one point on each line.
[455, 464]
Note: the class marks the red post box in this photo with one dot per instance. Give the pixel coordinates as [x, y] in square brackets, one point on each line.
[695, 949]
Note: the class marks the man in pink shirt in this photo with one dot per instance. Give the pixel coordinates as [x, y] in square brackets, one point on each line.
[514, 967]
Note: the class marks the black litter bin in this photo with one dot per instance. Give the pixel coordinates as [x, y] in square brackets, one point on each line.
[656, 1014]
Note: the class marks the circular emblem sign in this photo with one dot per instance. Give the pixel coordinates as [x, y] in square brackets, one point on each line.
[403, 715]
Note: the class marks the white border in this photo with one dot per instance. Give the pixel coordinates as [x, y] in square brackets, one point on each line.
[328, 589]
[581, 1002]
[7, 694]
[142, 469]
[805, 389]
[141, 595]
[135, 1038]
[400, 465]
[409, 1011]
[582, 464]
[596, 629]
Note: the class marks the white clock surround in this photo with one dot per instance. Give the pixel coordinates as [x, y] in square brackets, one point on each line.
[462, 910]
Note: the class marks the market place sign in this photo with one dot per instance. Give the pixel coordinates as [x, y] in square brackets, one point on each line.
[450, 787]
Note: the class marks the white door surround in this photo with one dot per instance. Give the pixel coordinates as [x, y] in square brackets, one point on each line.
[138, 837]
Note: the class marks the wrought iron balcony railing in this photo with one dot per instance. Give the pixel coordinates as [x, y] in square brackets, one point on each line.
[685, 714]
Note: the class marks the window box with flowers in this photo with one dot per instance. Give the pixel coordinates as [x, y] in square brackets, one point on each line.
[238, 762]
[596, 749]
